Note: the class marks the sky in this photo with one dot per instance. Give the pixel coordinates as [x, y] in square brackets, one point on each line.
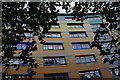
[62, 10]
[57, 8]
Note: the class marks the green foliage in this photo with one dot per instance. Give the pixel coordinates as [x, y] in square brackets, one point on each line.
[21, 17]
[37, 18]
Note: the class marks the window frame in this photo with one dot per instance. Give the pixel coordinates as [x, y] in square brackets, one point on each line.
[31, 34]
[89, 73]
[113, 71]
[94, 27]
[57, 24]
[19, 60]
[80, 62]
[18, 47]
[52, 33]
[53, 46]
[68, 18]
[79, 45]
[72, 34]
[74, 24]
[55, 59]
[92, 18]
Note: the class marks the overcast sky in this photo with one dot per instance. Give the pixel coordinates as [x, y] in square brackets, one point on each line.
[62, 10]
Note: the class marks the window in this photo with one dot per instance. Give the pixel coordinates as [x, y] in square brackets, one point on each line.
[54, 60]
[16, 77]
[53, 46]
[74, 25]
[77, 34]
[26, 34]
[19, 61]
[53, 35]
[23, 25]
[55, 26]
[107, 44]
[112, 57]
[95, 27]
[68, 18]
[85, 58]
[81, 45]
[106, 37]
[57, 76]
[16, 61]
[93, 18]
[115, 71]
[115, 22]
[90, 74]
[21, 46]
[109, 47]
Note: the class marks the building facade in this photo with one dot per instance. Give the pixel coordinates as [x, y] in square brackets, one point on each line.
[106, 42]
[66, 54]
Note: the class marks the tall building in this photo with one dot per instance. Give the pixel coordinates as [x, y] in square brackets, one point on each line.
[66, 54]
